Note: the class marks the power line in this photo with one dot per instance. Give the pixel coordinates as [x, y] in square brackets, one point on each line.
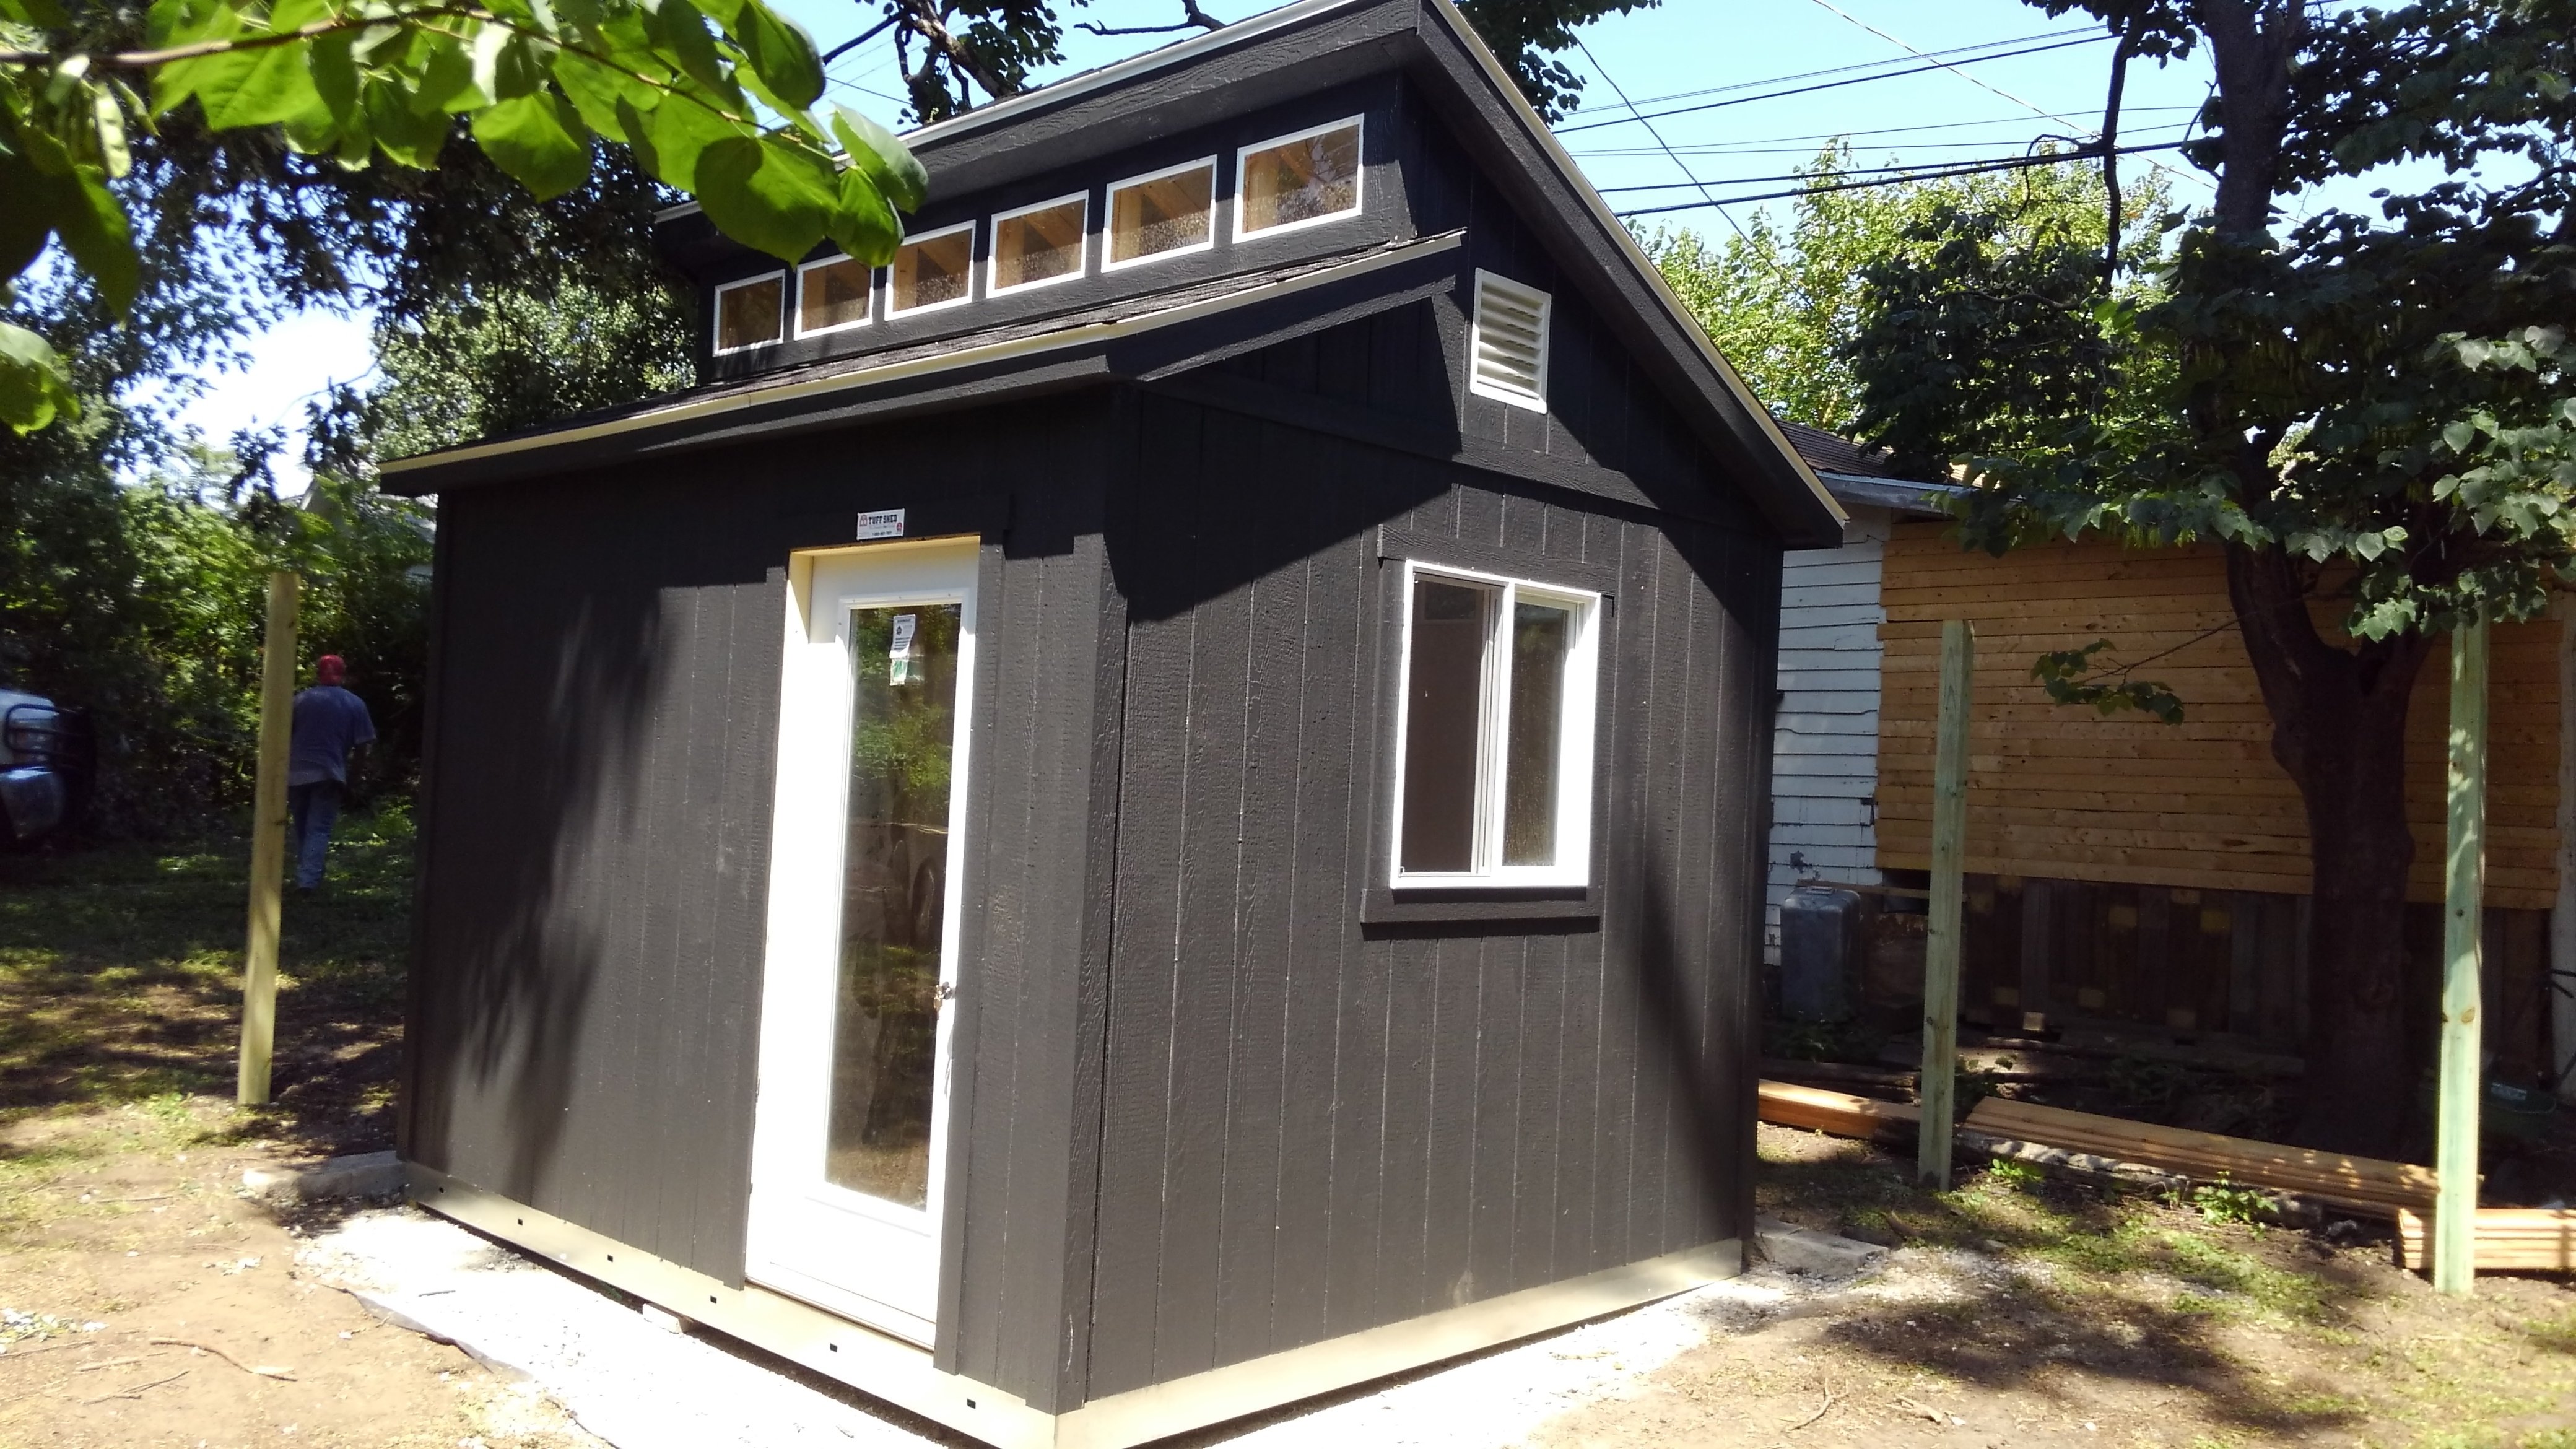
[1953, 52]
[1719, 147]
[1945, 65]
[1806, 90]
[1987, 143]
[2016, 163]
[2044, 159]
[1604, 72]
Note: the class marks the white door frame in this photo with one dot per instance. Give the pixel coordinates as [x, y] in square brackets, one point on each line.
[870, 1259]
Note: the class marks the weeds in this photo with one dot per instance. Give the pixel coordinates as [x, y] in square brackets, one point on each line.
[2222, 1202]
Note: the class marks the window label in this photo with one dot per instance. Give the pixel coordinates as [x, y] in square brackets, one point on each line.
[899, 653]
[885, 523]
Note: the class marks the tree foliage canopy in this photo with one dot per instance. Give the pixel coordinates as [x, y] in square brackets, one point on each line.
[712, 97]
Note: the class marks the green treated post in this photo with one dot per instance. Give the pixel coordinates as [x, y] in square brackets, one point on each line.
[267, 843]
[1941, 947]
[2455, 1216]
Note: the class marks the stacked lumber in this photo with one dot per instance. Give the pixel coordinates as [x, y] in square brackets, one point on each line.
[1841, 1113]
[2531, 1239]
[2362, 1184]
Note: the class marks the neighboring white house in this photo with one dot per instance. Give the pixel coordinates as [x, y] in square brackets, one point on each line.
[1824, 741]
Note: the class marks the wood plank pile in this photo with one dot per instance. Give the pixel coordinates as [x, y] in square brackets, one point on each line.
[2530, 1239]
[1840, 1113]
[2361, 1184]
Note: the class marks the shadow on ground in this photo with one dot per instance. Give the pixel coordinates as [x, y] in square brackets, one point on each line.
[120, 982]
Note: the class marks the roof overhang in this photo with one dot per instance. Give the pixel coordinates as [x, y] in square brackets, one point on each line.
[1900, 495]
[1146, 338]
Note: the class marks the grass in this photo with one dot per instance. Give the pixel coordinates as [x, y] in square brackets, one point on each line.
[120, 985]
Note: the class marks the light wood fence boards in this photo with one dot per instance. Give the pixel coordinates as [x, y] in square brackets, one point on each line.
[2062, 792]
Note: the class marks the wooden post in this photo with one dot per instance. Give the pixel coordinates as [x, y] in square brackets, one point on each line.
[2455, 1216]
[1941, 949]
[268, 842]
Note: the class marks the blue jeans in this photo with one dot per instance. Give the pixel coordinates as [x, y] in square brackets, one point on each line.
[314, 809]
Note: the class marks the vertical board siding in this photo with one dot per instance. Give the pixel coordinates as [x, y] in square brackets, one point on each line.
[1824, 753]
[1311, 1127]
[2062, 792]
[584, 1029]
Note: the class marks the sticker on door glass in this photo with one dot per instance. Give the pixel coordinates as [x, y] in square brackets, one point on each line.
[899, 655]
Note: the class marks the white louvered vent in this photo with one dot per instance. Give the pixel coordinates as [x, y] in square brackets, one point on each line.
[1510, 342]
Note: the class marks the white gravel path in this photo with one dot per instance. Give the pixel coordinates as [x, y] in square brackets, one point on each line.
[639, 1387]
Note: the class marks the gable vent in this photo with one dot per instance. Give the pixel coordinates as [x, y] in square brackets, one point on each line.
[1510, 342]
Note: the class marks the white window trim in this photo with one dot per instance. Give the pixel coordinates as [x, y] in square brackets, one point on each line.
[1577, 731]
[993, 263]
[716, 328]
[796, 304]
[892, 311]
[1109, 216]
[1476, 337]
[1359, 182]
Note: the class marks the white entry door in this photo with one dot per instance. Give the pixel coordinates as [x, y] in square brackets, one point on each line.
[852, 1125]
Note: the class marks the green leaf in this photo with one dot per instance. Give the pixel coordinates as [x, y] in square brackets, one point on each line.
[863, 225]
[447, 80]
[91, 222]
[777, 50]
[682, 32]
[539, 139]
[403, 131]
[335, 73]
[766, 196]
[23, 228]
[256, 87]
[34, 389]
[594, 90]
[2458, 437]
[43, 14]
[108, 119]
[669, 138]
[874, 151]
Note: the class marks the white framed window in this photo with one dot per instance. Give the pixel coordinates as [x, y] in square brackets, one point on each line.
[1495, 717]
[751, 312]
[935, 269]
[833, 295]
[1040, 244]
[1164, 213]
[1508, 342]
[1302, 179]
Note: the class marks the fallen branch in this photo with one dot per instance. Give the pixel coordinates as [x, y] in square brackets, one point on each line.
[266, 1371]
[107, 1363]
[1935, 1415]
[138, 1390]
[1822, 1409]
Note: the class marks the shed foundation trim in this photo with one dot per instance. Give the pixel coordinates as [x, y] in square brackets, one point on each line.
[901, 1373]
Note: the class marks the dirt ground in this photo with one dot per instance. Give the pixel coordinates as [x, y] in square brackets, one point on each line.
[121, 1157]
[2015, 1311]
[2019, 1311]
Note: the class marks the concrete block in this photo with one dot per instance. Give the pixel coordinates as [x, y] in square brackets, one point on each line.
[368, 1174]
[1804, 1250]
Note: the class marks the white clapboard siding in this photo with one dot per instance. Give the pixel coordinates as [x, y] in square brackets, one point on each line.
[1824, 771]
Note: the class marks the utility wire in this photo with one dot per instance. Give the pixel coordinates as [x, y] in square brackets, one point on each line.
[1678, 163]
[1953, 52]
[1945, 65]
[1805, 90]
[1964, 169]
[1908, 167]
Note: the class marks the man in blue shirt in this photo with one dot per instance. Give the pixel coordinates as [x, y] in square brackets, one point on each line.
[329, 723]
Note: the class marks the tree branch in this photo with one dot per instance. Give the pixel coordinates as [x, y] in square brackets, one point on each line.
[1191, 16]
[922, 17]
[2127, 47]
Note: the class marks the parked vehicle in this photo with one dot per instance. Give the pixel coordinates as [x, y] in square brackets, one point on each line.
[46, 764]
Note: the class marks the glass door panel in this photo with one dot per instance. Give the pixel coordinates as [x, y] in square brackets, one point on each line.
[903, 664]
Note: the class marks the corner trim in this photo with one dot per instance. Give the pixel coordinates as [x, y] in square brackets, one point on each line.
[901, 1373]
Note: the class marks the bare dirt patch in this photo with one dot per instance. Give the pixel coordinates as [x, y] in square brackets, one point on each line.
[2024, 1312]
[121, 1156]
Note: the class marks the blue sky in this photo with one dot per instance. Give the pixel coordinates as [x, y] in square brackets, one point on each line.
[1684, 53]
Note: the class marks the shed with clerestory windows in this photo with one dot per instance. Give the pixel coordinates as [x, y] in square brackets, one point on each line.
[1152, 810]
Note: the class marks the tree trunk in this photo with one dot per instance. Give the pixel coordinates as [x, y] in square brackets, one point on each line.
[2339, 729]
